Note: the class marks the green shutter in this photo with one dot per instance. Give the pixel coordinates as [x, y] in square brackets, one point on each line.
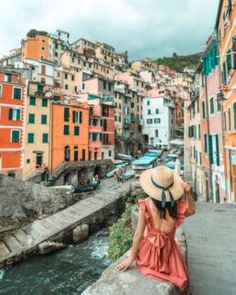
[234, 116]
[217, 151]
[66, 129]
[44, 102]
[10, 114]
[76, 130]
[66, 114]
[17, 93]
[205, 143]
[80, 117]
[31, 119]
[15, 136]
[18, 115]
[45, 138]
[229, 119]
[31, 138]
[44, 119]
[32, 101]
[211, 149]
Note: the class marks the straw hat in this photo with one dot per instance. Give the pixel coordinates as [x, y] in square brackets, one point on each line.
[162, 184]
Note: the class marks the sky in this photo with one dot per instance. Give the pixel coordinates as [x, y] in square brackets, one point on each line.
[146, 28]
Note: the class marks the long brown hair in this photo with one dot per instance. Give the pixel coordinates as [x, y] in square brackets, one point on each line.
[171, 210]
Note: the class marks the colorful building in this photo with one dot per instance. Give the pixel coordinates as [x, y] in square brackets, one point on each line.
[226, 35]
[12, 118]
[69, 132]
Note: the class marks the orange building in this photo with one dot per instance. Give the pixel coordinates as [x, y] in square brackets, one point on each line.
[37, 47]
[12, 101]
[69, 133]
[226, 31]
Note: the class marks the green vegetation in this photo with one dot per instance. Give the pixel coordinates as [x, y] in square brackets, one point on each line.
[33, 33]
[121, 232]
[179, 63]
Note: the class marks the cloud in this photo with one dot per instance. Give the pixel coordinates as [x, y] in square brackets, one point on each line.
[145, 28]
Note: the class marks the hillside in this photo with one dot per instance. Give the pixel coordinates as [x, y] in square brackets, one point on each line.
[180, 62]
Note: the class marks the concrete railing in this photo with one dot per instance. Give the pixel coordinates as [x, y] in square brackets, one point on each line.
[132, 282]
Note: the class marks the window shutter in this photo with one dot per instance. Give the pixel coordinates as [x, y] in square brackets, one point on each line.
[217, 151]
[80, 117]
[211, 149]
[17, 115]
[235, 116]
[10, 114]
[74, 117]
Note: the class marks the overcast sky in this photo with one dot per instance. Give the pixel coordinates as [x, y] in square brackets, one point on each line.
[146, 28]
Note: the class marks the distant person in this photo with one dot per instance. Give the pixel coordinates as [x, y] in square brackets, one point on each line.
[154, 249]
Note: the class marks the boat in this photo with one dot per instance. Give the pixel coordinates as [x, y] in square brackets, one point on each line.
[116, 168]
[143, 163]
[86, 188]
[129, 174]
[170, 158]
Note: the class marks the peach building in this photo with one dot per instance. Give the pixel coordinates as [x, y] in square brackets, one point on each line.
[226, 33]
[12, 116]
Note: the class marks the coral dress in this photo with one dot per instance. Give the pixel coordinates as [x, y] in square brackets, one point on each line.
[159, 256]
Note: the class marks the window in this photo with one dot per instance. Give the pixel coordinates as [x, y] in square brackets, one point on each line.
[44, 119]
[66, 130]
[80, 117]
[109, 153]
[157, 120]
[149, 112]
[199, 131]
[76, 89]
[156, 133]
[75, 117]
[17, 93]
[157, 111]
[76, 130]
[234, 107]
[83, 154]
[229, 119]
[203, 110]
[66, 114]
[104, 85]
[149, 121]
[45, 138]
[218, 106]
[15, 136]
[83, 86]
[72, 78]
[14, 114]
[32, 101]
[30, 137]
[66, 86]
[212, 107]
[66, 76]
[205, 143]
[31, 119]
[44, 102]
[8, 78]
[148, 102]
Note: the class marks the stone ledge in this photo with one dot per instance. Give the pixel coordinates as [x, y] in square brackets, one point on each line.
[131, 282]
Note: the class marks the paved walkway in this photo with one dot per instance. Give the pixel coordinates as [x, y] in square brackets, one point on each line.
[211, 239]
[27, 238]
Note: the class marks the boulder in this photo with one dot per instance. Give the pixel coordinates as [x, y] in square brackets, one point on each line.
[48, 247]
[80, 233]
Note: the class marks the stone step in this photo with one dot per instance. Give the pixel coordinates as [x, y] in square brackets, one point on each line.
[4, 251]
[12, 244]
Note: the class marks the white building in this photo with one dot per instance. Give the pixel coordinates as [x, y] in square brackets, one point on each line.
[158, 121]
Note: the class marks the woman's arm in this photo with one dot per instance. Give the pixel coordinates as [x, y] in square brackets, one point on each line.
[191, 209]
[138, 235]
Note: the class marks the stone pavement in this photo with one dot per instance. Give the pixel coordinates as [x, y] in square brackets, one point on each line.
[211, 241]
[25, 240]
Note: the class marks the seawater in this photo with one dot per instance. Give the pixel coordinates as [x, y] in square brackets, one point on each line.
[67, 272]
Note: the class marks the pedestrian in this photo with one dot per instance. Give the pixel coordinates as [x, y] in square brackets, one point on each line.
[156, 253]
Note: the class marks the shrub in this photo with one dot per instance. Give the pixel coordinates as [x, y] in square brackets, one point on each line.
[121, 235]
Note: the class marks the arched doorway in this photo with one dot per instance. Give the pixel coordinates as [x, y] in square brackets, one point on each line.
[67, 154]
[76, 154]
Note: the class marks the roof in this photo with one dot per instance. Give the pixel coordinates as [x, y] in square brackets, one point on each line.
[218, 13]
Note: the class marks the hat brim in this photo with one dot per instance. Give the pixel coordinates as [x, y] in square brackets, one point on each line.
[176, 190]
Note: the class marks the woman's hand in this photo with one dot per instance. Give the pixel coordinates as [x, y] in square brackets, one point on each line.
[123, 266]
[186, 186]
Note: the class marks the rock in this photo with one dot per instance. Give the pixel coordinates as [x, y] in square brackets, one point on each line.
[80, 233]
[48, 247]
[26, 200]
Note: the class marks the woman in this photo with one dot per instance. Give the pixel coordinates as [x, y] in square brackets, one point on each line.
[154, 248]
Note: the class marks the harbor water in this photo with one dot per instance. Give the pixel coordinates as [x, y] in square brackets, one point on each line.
[67, 272]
